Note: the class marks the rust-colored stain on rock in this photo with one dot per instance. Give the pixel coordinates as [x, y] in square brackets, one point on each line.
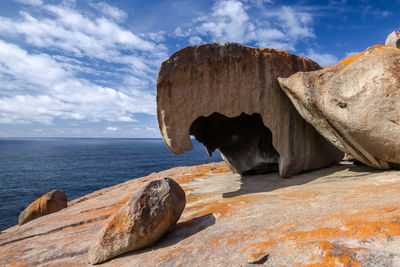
[341, 216]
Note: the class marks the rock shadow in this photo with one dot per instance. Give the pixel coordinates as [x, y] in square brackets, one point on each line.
[179, 232]
[272, 181]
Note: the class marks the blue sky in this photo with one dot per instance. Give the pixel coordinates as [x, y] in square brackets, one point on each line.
[88, 68]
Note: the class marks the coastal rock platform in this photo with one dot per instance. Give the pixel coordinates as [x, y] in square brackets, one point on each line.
[345, 215]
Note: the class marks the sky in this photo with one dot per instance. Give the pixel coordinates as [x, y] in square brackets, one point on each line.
[88, 68]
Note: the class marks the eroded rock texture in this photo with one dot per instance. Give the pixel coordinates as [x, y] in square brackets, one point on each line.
[393, 39]
[355, 104]
[345, 215]
[51, 202]
[141, 221]
[227, 96]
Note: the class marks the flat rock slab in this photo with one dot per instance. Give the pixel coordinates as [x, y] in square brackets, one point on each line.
[344, 215]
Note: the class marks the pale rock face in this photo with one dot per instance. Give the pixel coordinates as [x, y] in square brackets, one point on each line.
[46, 204]
[228, 97]
[144, 219]
[354, 104]
[393, 39]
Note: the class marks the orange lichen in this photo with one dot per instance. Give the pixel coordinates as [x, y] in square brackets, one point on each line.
[300, 195]
[334, 255]
[19, 263]
[200, 171]
[353, 58]
[226, 207]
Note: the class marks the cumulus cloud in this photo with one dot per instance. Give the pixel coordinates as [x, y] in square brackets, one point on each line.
[324, 59]
[75, 65]
[230, 20]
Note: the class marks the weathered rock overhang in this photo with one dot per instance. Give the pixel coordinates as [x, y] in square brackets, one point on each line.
[231, 79]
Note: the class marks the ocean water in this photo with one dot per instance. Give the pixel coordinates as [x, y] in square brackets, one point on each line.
[31, 167]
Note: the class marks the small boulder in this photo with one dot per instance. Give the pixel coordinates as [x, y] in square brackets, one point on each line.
[393, 39]
[51, 202]
[144, 219]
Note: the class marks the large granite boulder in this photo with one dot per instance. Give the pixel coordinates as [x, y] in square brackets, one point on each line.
[226, 95]
[144, 219]
[355, 104]
[393, 39]
[51, 202]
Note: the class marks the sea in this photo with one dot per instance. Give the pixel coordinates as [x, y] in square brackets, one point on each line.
[31, 167]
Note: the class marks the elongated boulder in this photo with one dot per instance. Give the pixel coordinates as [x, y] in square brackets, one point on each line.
[51, 202]
[144, 219]
[228, 97]
[355, 104]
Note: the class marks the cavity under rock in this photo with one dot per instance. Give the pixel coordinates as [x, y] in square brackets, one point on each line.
[228, 97]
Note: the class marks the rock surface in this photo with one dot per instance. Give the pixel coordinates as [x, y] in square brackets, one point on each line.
[141, 221]
[393, 39]
[355, 104]
[51, 202]
[344, 215]
[227, 96]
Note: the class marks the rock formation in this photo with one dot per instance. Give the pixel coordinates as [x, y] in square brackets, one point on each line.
[345, 215]
[393, 39]
[355, 104]
[46, 204]
[227, 96]
[141, 221]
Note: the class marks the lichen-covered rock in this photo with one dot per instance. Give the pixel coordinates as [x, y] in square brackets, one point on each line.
[345, 215]
[393, 39]
[354, 104]
[51, 202]
[227, 96]
[143, 220]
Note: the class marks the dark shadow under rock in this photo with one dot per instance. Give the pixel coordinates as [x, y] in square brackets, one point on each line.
[244, 142]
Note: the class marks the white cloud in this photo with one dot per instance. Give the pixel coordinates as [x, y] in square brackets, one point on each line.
[110, 11]
[230, 20]
[323, 59]
[42, 91]
[195, 40]
[75, 65]
[30, 2]
[112, 129]
[68, 30]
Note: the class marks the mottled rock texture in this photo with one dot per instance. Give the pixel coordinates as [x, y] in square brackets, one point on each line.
[46, 204]
[393, 39]
[344, 215]
[355, 104]
[144, 219]
[227, 96]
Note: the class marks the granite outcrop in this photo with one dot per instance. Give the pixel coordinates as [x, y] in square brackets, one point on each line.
[344, 215]
[354, 104]
[227, 96]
